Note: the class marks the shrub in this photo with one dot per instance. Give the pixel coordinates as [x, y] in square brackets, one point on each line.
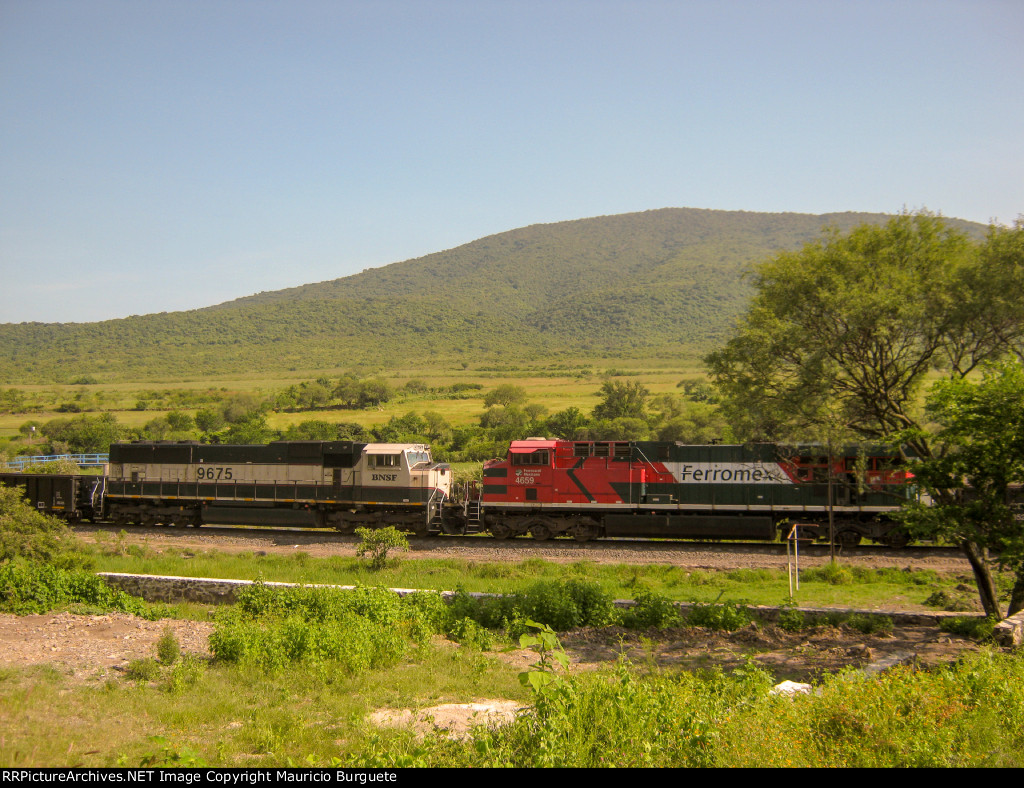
[974, 627]
[791, 620]
[26, 533]
[832, 573]
[561, 605]
[469, 633]
[728, 617]
[943, 600]
[37, 588]
[651, 610]
[378, 542]
[870, 625]
[168, 649]
[147, 669]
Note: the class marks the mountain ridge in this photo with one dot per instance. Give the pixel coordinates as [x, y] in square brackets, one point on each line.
[669, 277]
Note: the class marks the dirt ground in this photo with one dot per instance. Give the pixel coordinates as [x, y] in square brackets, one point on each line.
[95, 647]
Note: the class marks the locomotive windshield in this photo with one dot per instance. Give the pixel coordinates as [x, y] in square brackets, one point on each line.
[416, 456]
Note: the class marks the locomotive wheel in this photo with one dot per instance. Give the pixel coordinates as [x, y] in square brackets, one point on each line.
[540, 532]
[584, 533]
[895, 539]
[848, 538]
[500, 531]
[340, 523]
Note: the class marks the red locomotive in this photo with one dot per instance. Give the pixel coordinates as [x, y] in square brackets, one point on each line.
[590, 489]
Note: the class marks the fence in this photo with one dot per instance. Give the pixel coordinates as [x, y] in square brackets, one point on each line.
[82, 460]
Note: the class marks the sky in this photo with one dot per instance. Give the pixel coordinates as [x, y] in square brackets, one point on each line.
[162, 155]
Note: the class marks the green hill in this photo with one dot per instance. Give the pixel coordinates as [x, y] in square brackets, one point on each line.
[668, 280]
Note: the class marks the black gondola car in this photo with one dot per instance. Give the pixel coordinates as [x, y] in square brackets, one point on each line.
[71, 496]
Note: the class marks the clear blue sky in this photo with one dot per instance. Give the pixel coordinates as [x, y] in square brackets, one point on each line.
[159, 155]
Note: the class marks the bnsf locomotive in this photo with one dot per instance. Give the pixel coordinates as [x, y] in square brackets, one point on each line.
[343, 484]
[544, 488]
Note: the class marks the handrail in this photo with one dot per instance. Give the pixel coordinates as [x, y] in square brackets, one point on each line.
[82, 460]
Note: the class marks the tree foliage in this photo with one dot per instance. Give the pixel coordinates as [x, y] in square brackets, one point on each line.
[855, 323]
[976, 476]
[842, 335]
[621, 400]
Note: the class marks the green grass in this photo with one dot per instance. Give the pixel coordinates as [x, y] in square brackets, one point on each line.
[225, 715]
[866, 589]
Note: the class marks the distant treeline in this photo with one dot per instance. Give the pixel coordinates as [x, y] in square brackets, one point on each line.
[626, 411]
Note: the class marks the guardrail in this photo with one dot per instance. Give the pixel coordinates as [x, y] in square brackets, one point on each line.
[82, 460]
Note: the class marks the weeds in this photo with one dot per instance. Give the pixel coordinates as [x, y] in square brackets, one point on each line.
[37, 588]
[727, 617]
[974, 627]
[651, 610]
[168, 649]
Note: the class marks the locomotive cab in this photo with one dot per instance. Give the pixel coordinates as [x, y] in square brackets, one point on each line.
[404, 470]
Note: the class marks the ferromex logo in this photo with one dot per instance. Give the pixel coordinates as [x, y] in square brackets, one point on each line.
[728, 473]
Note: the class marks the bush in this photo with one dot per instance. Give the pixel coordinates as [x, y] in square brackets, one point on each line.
[791, 620]
[147, 669]
[651, 610]
[354, 631]
[943, 600]
[870, 625]
[26, 533]
[469, 633]
[561, 605]
[725, 617]
[168, 649]
[832, 573]
[974, 627]
[37, 588]
[378, 542]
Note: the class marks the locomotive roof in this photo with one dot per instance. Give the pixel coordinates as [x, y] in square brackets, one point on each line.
[531, 445]
[394, 448]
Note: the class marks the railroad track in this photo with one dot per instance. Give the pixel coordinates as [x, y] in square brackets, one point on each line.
[293, 536]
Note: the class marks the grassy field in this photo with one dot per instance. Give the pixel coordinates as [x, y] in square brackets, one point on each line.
[553, 384]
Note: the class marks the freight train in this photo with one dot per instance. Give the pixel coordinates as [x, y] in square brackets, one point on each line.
[545, 488]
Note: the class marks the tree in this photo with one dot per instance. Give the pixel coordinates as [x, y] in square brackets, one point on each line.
[242, 408]
[856, 323]
[567, 424]
[621, 400]
[976, 477]
[84, 434]
[842, 334]
[374, 392]
[506, 394]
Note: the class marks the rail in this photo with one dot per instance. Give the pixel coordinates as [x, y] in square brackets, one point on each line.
[82, 460]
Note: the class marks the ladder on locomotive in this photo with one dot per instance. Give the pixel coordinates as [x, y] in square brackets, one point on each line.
[472, 504]
[435, 510]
